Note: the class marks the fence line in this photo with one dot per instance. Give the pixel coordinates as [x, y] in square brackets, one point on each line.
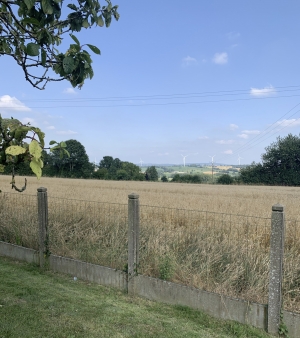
[218, 252]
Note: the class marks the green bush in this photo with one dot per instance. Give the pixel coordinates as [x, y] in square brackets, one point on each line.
[225, 179]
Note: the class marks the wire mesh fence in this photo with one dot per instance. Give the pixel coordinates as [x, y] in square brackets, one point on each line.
[291, 266]
[91, 231]
[19, 219]
[216, 252]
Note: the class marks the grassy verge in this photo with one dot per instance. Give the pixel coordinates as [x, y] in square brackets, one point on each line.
[44, 304]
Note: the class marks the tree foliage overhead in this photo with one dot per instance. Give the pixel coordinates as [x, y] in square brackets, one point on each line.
[280, 164]
[32, 30]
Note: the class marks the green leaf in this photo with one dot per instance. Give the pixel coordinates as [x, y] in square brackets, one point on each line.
[94, 49]
[32, 21]
[35, 149]
[43, 57]
[36, 167]
[72, 6]
[68, 64]
[85, 23]
[63, 144]
[52, 142]
[15, 150]
[74, 47]
[47, 7]
[29, 3]
[41, 136]
[66, 152]
[54, 148]
[32, 49]
[100, 21]
[75, 39]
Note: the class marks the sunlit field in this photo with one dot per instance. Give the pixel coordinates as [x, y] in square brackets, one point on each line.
[212, 237]
[243, 200]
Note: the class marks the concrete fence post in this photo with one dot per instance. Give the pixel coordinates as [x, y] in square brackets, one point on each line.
[43, 225]
[276, 268]
[133, 238]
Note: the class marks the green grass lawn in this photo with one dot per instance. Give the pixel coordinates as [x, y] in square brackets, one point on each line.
[45, 304]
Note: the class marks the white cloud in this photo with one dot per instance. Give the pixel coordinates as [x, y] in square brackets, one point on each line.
[233, 126]
[233, 35]
[163, 154]
[288, 123]
[228, 152]
[66, 132]
[12, 103]
[225, 142]
[250, 132]
[70, 91]
[245, 136]
[267, 91]
[189, 61]
[202, 138]
[220, 58]
[50, 127]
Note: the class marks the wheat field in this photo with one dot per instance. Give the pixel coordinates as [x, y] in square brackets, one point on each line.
[212, 237]
[235, 199]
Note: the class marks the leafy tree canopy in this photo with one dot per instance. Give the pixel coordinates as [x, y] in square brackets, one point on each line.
[75, 165]
[115, 169]
[151, 174]
[32, 30]
[280, 164]
[164, 178]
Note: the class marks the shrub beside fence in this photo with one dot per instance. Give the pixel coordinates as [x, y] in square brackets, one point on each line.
[216, 252]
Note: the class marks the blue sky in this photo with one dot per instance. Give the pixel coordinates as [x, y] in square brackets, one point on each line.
[197, 78]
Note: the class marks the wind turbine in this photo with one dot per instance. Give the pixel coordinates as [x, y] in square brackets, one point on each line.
[212, 167]
[141, 163]
[239, 159]
[184, 158]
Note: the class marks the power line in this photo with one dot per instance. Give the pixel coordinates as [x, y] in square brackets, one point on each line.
[261, 136]
[276, 132]
[264, 132]
[273, 90]
[156, 104]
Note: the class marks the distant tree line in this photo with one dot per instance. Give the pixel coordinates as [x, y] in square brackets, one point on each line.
[280, 166]
[187, 178]
[114, 169]
[78, 166]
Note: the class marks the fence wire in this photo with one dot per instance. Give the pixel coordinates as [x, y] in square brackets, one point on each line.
[291, 266]
[216, 252]
[19, 219]
[91, 231]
